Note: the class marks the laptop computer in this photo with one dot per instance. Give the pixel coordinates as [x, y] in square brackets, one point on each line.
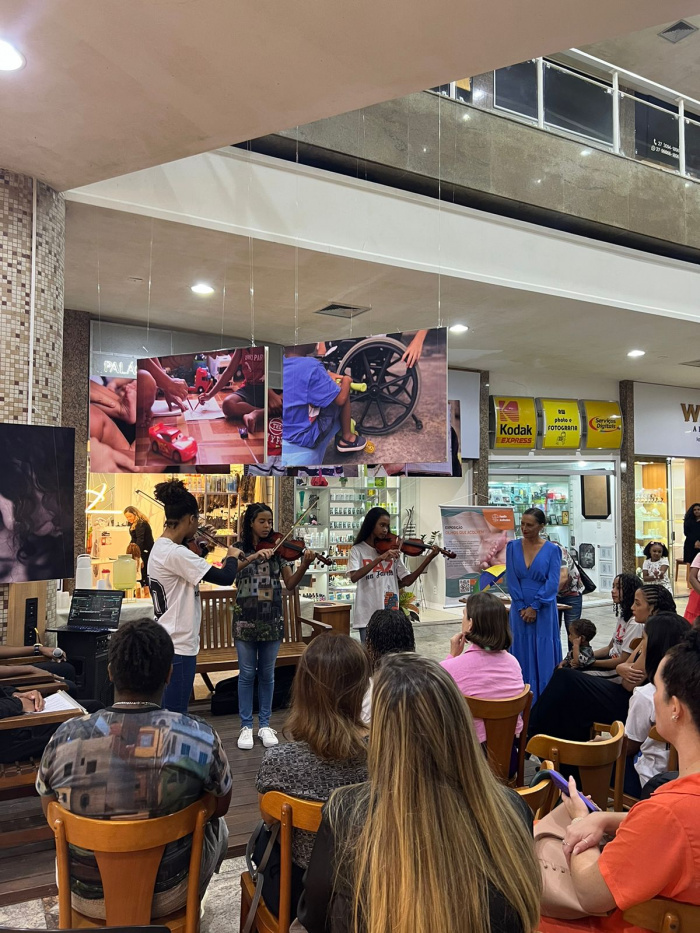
[94, 611]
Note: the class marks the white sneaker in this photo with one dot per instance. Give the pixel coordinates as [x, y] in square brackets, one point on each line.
[245, 739]
[268, 736]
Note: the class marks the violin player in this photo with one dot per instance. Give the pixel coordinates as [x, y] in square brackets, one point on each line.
[259, 629]
[379, 577]
[174, 575]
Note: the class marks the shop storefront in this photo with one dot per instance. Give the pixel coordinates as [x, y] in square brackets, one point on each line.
[562, 456]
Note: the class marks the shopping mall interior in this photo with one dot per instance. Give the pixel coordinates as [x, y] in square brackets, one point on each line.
[401, 308]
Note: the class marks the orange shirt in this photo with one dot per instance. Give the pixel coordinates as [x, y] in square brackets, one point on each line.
[656, 852]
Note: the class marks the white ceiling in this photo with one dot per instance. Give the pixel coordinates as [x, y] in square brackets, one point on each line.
[512, 332]
[112, 86]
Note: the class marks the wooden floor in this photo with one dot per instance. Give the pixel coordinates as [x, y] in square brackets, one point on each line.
[29, 872]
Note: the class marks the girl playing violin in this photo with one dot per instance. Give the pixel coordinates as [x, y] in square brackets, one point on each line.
[259, 629]
[379, 577]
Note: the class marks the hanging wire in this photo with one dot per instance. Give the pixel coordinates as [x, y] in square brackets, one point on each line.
[439, 294]
[296, 248]
[150, 284]
[251, 265]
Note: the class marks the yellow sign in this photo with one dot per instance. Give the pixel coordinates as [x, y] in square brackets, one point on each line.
[561, 424]
[513, 423]
[602, 424]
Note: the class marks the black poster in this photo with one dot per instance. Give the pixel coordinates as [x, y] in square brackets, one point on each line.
[656, 135]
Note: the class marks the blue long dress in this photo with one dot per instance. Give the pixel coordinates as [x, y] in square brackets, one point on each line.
[536, 645]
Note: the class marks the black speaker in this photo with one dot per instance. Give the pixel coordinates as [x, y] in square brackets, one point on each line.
[87, 652]
[31, 620]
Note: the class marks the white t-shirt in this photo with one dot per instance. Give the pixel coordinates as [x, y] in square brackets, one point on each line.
[625, 633]
[174, 575]
[653, 756]
[654, 566]
[380, 588]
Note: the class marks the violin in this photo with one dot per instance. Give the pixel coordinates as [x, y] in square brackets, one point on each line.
[202, 543]
[411, 547]
[288, 548]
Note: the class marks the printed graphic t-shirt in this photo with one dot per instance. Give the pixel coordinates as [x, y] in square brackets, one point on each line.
[174, 575]
[260, 600]
[380, 588]
[307, 388]
[253, 366]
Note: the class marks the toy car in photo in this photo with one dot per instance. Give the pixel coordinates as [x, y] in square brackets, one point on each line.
[170, 442]
[203, 380]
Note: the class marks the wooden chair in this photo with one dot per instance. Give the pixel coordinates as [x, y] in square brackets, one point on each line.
[216, 648]
[128, 854]
[291, 813]
[149, 929]
[621, 801]
[663, 916]
[594, 760]
[542, 797]
[655, 735]
[500, 720]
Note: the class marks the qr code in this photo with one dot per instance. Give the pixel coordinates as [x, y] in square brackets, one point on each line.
[465, 586]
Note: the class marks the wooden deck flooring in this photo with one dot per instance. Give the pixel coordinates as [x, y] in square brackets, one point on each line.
[27, 873]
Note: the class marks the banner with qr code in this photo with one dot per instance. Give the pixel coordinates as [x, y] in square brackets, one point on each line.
[478, 535]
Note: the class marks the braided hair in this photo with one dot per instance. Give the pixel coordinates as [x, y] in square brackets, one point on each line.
[659, 598]
[140, 657]
[177, 501]
[389, 631]
[627, 584]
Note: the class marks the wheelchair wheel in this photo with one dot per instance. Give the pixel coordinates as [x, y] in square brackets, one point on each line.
[393, 389]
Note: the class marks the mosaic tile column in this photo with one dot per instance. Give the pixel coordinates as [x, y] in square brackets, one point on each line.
[19, 218]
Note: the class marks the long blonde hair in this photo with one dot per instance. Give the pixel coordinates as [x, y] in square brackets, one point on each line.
[433, 826]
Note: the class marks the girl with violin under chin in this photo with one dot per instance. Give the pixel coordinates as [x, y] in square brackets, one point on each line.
[259, 629]
[377, 569]
[174, 575]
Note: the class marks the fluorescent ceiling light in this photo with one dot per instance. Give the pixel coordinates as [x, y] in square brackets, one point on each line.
[634, 353]
[201, 288]
[10, 58]
[459, 329]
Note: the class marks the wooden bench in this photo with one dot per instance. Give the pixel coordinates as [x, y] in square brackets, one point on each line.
[216, 649]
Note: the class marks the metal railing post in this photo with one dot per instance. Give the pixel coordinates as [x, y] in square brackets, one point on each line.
[540, 93]
[681, 136]
[616, 112]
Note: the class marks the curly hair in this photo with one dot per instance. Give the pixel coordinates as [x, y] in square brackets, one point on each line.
[140, 657]
[177, 500]
[647, 550]
[388, 632]
[249, 516]
[583, 627]
[627, 584]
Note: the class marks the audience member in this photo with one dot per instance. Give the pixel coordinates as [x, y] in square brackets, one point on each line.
[19, 744]
[486, 669]
[329, 747]
[135, 759]
[389, 631]
[432, 841]
[57, 665]
[624, 590]
[581, 634]
[655, 567]
[663, 827]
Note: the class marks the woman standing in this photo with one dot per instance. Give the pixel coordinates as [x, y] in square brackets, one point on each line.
[175, 573]
[691, 530]
[259, 629]
[141, 536]
[379, 577]
[533, 570]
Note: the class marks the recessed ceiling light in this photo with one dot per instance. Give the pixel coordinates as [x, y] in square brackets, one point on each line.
[201, 288]
[634, 353]
[459, 328]
[10, 58]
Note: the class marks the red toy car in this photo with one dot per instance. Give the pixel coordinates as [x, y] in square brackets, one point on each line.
[203, 380]
[171, 443]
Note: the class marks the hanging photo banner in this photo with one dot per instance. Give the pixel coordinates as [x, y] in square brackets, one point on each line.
[112, 424]
[602, 425]
[478, 535]
[512, 423]
[203, 409]
[379, 399]
[560, 424]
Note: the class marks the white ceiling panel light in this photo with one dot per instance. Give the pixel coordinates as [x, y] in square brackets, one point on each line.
[636, 353]
[10, 58]
[459, 329]
[201, 288]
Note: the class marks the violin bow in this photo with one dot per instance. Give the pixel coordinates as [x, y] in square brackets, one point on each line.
[312, 504]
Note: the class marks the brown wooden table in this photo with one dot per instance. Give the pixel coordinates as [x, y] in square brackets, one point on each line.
[337, 615]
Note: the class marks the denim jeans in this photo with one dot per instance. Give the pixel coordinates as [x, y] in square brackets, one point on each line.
[177, 693]
[575, 604]
[256, 657]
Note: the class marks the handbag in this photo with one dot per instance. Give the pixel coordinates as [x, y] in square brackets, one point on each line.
[264, 862]
[588, 584]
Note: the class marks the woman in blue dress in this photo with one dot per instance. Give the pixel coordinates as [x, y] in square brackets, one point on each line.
[533, 567]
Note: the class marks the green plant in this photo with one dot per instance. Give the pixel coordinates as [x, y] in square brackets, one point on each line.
[407, 604]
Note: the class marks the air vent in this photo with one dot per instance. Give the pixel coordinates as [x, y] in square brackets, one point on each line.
[335, 309]
[679, 30]
[695, 363]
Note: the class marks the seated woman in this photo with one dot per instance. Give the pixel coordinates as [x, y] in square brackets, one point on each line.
[664, 826]
[661, 633]
[573, 700]
[432, 842]
[329, 747]
[624, 590]
[389, 631]
[486, 669]
[92, 767]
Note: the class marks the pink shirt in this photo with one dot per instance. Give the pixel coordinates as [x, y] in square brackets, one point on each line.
[489, 675]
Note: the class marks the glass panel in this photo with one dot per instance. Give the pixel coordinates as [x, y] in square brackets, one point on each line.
[516, 89]
[656, 134]
[692, 148]
[576, 105]
[678, 507]
[650, 505]
[443, 89]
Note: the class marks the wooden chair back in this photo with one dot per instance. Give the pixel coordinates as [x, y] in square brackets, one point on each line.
[663, 916]
[291, 607]
[291, 813]
[656, 736]
[594, 760]
[500, 720]
[540, 798]
[216, 627]
[128, 854]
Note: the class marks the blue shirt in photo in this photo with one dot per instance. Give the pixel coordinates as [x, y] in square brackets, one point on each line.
[307, 388]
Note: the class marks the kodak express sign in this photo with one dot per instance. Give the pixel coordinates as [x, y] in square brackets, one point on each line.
[561, 423]
[602, 424]
[512, 423]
